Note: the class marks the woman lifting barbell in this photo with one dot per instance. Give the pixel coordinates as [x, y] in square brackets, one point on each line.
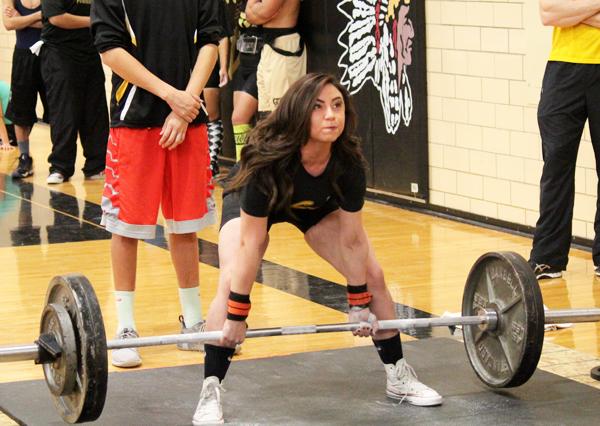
[302, 165]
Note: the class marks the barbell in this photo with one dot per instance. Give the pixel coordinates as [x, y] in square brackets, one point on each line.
[502, 320]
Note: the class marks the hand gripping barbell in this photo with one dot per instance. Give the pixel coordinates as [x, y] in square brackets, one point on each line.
[503, 331]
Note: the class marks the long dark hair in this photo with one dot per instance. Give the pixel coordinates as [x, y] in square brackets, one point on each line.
[271, 156]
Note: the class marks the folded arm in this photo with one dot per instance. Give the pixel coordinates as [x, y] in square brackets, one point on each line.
[14, 21]
[593, 21]
[67, 21]
[259, 12]
[567, 13]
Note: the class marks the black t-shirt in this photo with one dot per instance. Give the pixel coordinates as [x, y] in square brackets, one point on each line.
[77, 43]
[225, 19]
[165, 36]
[311, 194]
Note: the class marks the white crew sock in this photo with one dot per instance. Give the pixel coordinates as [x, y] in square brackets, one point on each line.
[124, 301]
[190, 305]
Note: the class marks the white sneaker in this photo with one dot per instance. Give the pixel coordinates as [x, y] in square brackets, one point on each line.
[402, 384]
[197, 346]
[98, 176]
[126, 357]
[196, 328]
[54, 178]
[209, 410]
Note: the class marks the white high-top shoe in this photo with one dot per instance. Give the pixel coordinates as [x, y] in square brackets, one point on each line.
[403, 385]
[209, 410]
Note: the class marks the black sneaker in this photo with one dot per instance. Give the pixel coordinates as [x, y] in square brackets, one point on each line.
[25, 167]
[597, 271]
[544, 271]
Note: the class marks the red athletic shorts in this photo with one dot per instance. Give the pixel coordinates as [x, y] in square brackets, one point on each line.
[141, 176]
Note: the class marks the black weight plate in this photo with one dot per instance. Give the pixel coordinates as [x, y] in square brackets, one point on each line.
[507, 356]
[61, 374]
[86, 401]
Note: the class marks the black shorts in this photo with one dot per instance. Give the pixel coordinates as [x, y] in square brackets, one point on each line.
[213, 79]
[244, 79]
[232, 210]
[25, 84]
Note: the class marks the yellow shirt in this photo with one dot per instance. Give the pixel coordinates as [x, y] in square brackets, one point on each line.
[579, 44]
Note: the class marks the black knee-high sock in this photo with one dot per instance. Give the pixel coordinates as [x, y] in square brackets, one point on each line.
[216, 361]
[389, 350]
[215, 143]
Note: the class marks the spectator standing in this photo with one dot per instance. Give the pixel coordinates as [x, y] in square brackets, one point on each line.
[158, 150]
[25, 18]
[74, 80]
[570, 94]
[283, 57]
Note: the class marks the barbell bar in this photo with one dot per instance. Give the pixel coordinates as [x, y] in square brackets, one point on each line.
[502, 322]
[488, 319]
[32, 352]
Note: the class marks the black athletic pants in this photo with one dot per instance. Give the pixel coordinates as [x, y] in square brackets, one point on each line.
[570, 96]
[77, 106]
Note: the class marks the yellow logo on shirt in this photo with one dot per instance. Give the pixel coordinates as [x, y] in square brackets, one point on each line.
[305, 205]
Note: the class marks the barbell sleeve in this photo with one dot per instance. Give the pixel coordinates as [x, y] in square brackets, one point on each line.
[572, 315]
[19, 353]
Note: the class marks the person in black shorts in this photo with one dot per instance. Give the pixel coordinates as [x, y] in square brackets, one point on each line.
[25, 18]
[302, 165]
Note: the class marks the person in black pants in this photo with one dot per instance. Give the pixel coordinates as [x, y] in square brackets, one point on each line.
[570, 94]
[74, 79]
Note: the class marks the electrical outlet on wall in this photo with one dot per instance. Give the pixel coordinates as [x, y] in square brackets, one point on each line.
[414, 187]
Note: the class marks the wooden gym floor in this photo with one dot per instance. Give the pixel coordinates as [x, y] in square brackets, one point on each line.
[50, 230]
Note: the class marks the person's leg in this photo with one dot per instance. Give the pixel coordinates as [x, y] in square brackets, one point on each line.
[215, 127]
[123, 251]
[218, 358]
[244, 108]
[93, 129]
[185, 258]
[64, 103]
[25, 166]
[23, 133]
[592, 95]
[402, 382]
[24, 80]
[130, 202]
[561, 118]
[323, 239]
[185, 206]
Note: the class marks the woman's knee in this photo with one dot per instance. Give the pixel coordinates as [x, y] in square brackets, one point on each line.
[238, 117]
[375, 277]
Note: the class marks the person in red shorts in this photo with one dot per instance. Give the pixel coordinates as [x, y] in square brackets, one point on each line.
[157, 151]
